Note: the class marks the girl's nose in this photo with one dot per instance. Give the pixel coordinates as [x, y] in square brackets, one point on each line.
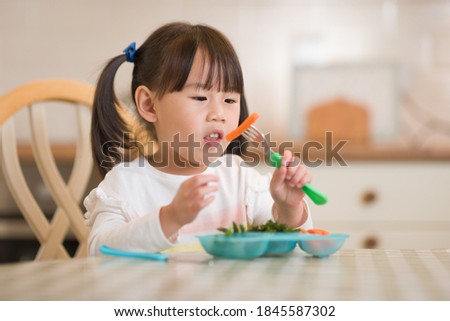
[216, 113]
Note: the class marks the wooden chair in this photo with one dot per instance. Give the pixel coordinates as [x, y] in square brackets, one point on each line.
[347, 120]
[68, 217]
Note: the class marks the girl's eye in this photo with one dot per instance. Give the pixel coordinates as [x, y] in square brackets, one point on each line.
[199, 98]
[230, 101]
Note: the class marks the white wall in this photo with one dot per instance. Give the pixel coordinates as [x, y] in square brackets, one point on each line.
[73, 39]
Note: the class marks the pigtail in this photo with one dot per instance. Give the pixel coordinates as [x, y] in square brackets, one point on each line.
[109, 132]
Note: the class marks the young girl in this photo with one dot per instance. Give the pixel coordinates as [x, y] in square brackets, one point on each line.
[188, 90]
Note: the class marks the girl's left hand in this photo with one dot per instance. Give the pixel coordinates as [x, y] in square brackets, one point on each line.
[288, 180]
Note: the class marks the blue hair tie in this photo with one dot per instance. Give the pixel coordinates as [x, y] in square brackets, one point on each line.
[130, 51]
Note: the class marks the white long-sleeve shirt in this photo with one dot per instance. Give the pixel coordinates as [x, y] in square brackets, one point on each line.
[123, 211]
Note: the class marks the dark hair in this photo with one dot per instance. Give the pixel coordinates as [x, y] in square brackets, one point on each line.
[162, 63]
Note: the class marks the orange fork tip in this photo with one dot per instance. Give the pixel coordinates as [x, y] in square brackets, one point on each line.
[242, 127]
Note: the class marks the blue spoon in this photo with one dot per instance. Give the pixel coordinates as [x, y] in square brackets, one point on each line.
[104, 249]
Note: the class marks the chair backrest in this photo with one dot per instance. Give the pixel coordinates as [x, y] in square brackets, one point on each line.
[347, 120]
[68, 217]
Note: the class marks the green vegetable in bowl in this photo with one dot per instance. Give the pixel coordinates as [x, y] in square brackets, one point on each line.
[269, 226]
[272, 226]
[236, 228]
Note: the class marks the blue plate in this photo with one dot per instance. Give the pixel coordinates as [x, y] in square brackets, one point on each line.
[236, 246]
[252, 244]
[282, 243]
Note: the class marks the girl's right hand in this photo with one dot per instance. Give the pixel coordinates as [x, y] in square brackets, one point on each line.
[192, 195]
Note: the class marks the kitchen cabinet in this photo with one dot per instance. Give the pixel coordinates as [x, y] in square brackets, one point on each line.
[386, 204]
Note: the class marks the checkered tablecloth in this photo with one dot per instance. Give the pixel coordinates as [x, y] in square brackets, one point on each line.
[346, 275]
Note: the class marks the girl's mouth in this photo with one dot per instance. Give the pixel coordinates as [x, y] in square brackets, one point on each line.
[214, 138]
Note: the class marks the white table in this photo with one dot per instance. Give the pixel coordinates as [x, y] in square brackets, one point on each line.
[347, 275]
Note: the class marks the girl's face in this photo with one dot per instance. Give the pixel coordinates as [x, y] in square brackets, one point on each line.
[191, 124]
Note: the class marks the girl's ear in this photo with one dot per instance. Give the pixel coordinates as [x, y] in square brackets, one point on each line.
[145, 102]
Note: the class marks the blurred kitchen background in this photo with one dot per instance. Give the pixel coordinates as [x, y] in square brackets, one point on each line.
[374, 72]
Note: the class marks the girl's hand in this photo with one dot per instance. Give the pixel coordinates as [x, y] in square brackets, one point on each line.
[286, 185]
[192, 195]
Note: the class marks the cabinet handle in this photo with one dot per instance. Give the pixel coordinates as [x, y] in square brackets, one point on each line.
[369, 197]
[371, 242]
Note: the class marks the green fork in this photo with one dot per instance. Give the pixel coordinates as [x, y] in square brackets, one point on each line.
[252, 134]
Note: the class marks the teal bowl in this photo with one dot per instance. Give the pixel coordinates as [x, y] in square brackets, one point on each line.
[323, 245]
[236, 246]
[280, 247]
[281, 243]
